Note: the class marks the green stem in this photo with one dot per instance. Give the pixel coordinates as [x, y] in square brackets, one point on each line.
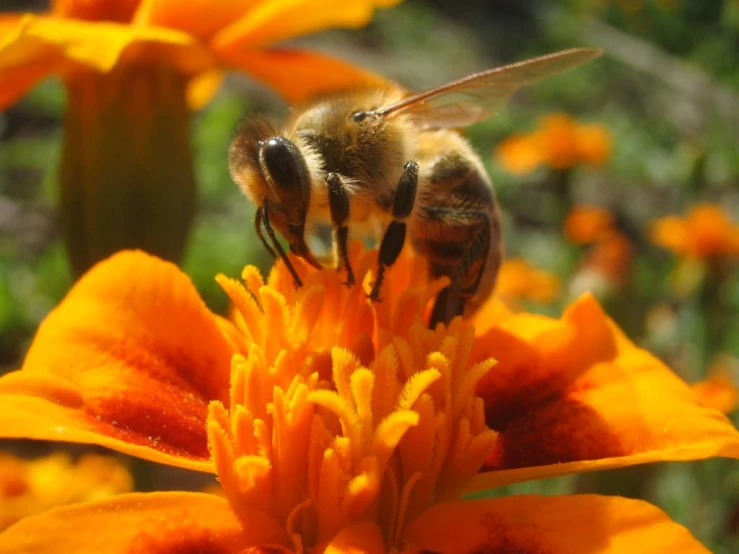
[126, 174]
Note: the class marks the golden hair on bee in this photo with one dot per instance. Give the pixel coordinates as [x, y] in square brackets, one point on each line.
[388, 162]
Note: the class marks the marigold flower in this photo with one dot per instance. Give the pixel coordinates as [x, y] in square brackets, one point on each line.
[586, 224]
[33, 486]
[719, 390]
[705, 233]
[133, 71]
[335, 424]
[606, 264]
[559, 142]
[519, 280]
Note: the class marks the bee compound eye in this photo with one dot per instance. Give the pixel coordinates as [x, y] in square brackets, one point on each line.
[359, 116]
[282, 161]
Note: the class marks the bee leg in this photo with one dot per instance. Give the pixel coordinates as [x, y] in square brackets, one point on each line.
[466, 278]
[258, 227]
[394, 237]
[279, 249]
[338, 201]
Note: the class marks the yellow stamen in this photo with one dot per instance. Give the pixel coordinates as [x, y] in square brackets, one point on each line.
[346, 411]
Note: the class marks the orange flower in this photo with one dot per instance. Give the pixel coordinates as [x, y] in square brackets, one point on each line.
[611, 257]
[33, 486]
[133, 71]
[519, 280]
[335, 424]
[705, 233]
[719, 390]
[559, 142]
[586, 224]
[606, 264]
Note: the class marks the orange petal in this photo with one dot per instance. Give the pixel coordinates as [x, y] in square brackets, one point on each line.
[593, 144]
[673, 233]
[21, 68]
[719, 390]
[297, 75]
[586, 224]
[92, 44]
[199, 18]
[17, 81]
[203, 87]
[553, 524]
[161, 522]
[519, 154]
[575, 394]
[271, 21]
[96, 10]
[129, 360]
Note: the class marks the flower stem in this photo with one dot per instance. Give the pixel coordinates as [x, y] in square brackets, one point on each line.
[126, 174]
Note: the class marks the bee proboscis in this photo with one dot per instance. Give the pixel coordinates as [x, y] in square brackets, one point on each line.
[388, 162]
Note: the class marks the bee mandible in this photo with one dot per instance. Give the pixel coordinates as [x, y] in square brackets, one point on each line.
[390, 163]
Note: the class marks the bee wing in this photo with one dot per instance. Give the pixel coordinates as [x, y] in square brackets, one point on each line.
[477, 96]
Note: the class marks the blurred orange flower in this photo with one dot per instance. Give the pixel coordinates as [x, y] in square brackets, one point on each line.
[559, 142]
[519, 280]
[133, 70]
[195, 40]
[340, 425]
[611, 256]
[606, 264]
[705, 233]
[719, 390]
[33, 486]
[586, 224]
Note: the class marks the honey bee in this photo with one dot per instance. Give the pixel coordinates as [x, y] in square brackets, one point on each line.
[386, 161]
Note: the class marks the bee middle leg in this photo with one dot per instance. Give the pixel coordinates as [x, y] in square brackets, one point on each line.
[394, 237]
[338, 201]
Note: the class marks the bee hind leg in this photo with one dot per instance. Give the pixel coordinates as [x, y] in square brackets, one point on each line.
[338, 201]
[466, 277]
[394, 237]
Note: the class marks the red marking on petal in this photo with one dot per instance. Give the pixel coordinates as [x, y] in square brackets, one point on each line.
[501, 539]
[168, 422]
[565, 431]
[179, 541]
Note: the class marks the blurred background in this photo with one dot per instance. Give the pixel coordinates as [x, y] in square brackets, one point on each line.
[584, 165]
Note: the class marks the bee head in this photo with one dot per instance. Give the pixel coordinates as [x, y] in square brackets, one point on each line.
[273, 173]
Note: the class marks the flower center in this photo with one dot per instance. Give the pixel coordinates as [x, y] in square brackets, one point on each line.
[343, 411]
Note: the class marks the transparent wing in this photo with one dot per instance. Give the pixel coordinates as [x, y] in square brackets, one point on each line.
[477, 96]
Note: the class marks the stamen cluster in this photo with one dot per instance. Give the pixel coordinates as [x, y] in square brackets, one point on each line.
[340, 413]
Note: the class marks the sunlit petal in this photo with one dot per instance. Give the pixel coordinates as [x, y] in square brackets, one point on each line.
[273, 20]
[202, 88]
[95, 45]
[200, 18]
[163, 522]
[575, 394]
[297, 74]
[558, 524]
[130, 360]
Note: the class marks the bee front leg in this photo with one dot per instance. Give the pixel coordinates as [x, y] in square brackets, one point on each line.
[394, 237]
[338, 201]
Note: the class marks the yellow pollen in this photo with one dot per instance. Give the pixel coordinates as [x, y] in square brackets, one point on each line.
[343, 411]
